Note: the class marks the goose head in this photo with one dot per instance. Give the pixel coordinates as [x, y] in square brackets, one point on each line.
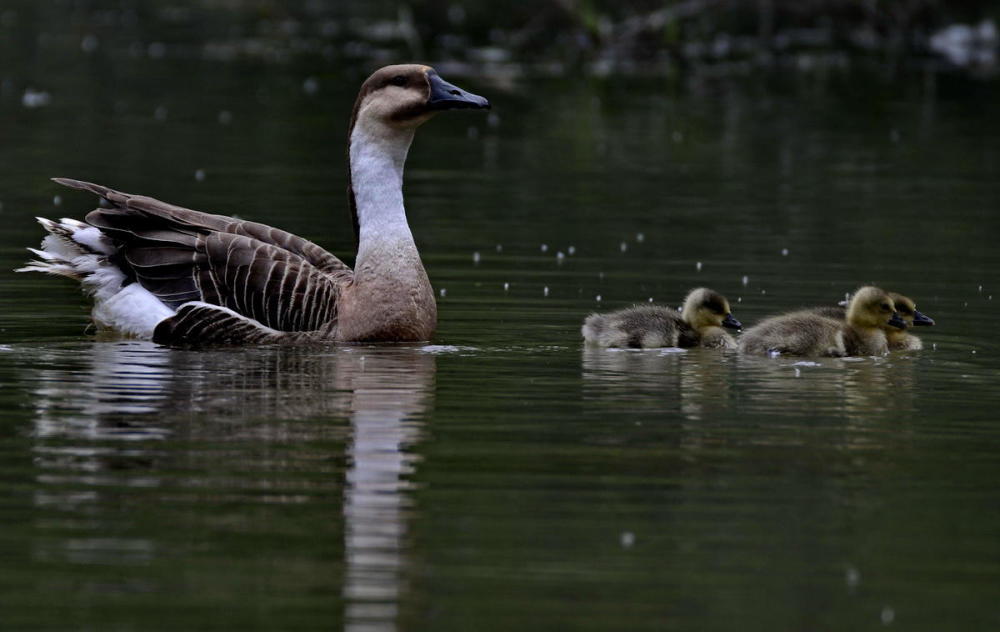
[907, 310]
[707, 308]
[873, 308]
[404, 96]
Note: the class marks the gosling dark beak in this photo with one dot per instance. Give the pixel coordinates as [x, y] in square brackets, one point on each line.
[731, 323]
[446, 96]
[922, 319]
[896, 321]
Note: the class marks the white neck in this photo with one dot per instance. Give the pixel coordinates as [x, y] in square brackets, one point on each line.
[377, 155]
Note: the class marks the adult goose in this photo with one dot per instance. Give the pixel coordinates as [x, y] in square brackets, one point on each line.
[182, 277]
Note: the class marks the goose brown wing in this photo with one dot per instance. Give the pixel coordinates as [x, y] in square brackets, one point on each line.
[117, 203]
[181, 255]
[261, 281]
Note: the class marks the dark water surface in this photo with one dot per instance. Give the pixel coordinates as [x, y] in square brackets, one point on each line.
[504, 477]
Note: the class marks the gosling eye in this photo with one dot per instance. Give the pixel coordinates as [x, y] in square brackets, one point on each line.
[398, 80]
[886, 307]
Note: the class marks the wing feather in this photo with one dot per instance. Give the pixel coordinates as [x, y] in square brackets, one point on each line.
[282, 281]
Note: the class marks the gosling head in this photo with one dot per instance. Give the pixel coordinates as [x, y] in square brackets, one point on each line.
[872, 307]
[707, 308]
[404, 96]
[907, 310]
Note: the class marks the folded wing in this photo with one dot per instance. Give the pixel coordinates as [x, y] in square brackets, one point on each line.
[278, 279]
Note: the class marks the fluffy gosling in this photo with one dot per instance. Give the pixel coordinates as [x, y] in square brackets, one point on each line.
[808, 333]
[898, 339]
[700, 322]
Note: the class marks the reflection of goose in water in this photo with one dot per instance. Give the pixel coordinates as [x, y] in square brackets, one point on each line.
[703, 387]
[697, 381]
[96, 412]
[855, 390]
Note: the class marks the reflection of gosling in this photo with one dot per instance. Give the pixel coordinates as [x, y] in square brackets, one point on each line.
[896, 338]
[808, 333]
[699, 323]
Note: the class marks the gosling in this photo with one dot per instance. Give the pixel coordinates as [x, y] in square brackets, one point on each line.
[700, 323]
[898, 339]
[808, 333]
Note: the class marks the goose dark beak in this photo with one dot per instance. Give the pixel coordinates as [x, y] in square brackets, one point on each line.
[922, 319]
[447, 96]
[896, 321]
[731, 323]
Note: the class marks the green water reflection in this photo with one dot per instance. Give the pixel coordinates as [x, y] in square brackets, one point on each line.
[505, 477]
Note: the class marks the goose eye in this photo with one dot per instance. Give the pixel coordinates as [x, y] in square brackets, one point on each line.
[398, 80]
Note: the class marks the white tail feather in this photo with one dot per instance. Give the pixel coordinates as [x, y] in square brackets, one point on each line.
[79, 251]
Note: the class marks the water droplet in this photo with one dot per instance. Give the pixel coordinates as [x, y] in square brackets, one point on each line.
[934, 346]
[310, 85]
[560, 256]
[199, 175]
[443, 292]
[545, 291]
[623, 246]
[640, 237]
[35, 98]
[545, 247]
[571, 250]
[739, 299]
[456, 14]
[980, 289]
[627, 538]
[784, 252]
[852, 577]
[506, 286]
[598, 298]
[763, 291]
[888, 615]
[697, 266]
[798, 373]
[225, 117]
[745, 280]
[650, 299]
[677, 136]
[89, 44]
[973, 351]
[499, 247]
[160, 113]
[156, 50]
[476, 257]
[600, 275]
[56, 200]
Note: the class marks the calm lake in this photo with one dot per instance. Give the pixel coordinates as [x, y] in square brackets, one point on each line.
[504, 477]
